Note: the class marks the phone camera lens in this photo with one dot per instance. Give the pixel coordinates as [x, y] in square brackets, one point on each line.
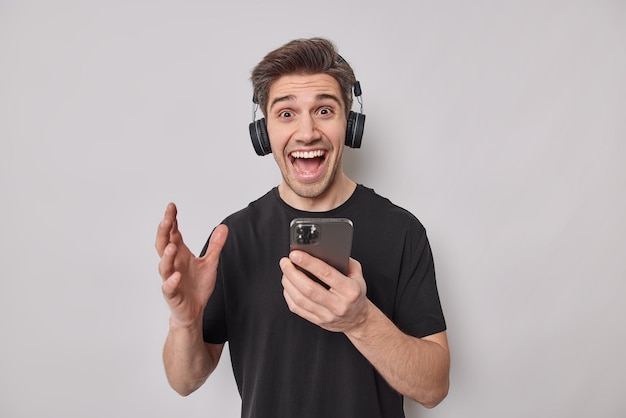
[307, 234]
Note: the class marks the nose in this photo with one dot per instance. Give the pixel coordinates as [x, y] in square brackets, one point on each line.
[307, 129]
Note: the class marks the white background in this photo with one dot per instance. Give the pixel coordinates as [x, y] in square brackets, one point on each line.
[500, 124]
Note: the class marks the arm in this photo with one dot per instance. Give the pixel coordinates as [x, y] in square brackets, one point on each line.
[416, 368]
[188, 283]
[188, 359]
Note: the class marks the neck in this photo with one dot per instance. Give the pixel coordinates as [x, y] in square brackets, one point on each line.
[336, 195]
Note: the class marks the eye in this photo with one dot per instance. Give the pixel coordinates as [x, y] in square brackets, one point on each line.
[285, 114]
[325, 111]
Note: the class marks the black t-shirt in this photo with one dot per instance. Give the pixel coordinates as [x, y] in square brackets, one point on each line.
[287, 367]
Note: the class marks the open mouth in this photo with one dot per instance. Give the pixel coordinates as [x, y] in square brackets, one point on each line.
[307, 162]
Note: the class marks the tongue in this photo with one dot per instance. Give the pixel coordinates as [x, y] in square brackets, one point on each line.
[307, 165]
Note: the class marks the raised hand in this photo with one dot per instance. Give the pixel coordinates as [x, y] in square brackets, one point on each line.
[188, 281]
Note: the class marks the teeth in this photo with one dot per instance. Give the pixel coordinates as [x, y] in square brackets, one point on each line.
[307, 154]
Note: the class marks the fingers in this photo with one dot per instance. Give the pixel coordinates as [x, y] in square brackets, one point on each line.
[301, 293]
[301, 306]
[335, 309]
[302, 290]
[318, 268]
[170, 286]
[299, 282]
[166, 226]
[355, 269]
[166, 264]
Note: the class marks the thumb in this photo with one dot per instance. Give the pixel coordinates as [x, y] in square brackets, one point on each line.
[216, 242]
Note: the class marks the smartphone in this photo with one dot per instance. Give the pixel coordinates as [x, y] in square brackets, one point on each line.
[329, 239]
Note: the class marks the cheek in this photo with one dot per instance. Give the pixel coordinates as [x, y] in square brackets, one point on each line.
[338, 134]
[278, 138]
[338, 128]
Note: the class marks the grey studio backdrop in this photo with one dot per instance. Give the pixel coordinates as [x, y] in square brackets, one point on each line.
[500, 124]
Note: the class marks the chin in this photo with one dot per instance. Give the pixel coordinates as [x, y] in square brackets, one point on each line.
[309, 191]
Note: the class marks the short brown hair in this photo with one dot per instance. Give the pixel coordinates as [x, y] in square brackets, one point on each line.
[302, 56]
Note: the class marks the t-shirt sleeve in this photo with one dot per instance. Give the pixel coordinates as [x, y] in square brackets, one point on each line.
[418, 311]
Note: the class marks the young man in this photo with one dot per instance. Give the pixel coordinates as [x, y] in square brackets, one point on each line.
[350, 349]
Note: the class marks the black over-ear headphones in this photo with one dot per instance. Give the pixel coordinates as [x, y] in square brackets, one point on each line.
[354, 130]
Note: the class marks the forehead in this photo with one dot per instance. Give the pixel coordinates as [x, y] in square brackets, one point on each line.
[304, 85]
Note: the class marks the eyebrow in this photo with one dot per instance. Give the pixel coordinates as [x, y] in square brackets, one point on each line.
[292, 97]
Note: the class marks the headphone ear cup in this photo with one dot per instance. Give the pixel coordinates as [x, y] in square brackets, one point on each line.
[354, 130]
[260, 138]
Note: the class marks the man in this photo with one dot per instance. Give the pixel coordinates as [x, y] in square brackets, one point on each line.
[352, 348]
